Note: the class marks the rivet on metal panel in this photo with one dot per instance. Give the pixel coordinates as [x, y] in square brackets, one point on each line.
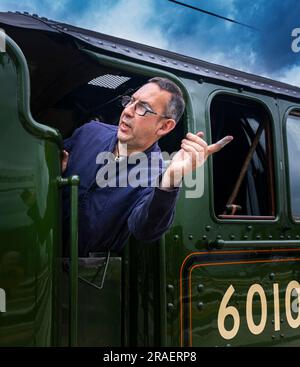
[204, 237]
[273, 337]
[220, 244]
[281, 335]
[245, 237]
[208, 228]
[207, 71]
[114, 46]
[100, 42]
[200, 81]
[272, 276]
[297, 237]
[200, 305]
[174, 62]
[200, 287]
[282, 237]
[249, 228]
[219, 237]
[270, 236]
[140, 53]
[152, 57]
[176, 237]
[163, 59]
[170, 307]
[185, 65]
[196, 68]
[170, 288]
[258, 237]
[191, 236]
[288, 237]
[232, 236]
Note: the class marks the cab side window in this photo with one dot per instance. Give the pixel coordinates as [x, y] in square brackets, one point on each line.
[243, 173]
[293, 137]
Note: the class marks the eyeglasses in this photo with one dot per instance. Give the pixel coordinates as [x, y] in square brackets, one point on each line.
[139, 108]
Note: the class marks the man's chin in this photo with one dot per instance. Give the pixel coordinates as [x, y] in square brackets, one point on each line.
[123, 138]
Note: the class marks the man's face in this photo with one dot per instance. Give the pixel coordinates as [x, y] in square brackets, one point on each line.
[140, 132]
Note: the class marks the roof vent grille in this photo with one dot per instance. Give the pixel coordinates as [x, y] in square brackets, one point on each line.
[108, 81]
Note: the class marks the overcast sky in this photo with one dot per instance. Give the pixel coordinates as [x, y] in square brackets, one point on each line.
[161, 23]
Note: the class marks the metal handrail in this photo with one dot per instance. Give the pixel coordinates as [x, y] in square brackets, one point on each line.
[73, 182]
[222, 243]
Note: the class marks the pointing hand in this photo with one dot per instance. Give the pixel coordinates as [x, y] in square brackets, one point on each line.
[193, 153]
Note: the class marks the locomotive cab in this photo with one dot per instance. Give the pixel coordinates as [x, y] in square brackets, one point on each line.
[223, 274]
[69, 87]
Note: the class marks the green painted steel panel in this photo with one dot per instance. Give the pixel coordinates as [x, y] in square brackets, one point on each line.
[99, 309]
[196, 229]
[29, 203]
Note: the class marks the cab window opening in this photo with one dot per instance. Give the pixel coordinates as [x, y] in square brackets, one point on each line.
[99, 98]
[243, 174]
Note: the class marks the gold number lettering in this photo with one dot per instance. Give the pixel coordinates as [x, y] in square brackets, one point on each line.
[225, 311]
[276, 307]
[256, 329]
[294, 323]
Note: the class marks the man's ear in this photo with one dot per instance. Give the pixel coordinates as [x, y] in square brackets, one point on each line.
[167, 126]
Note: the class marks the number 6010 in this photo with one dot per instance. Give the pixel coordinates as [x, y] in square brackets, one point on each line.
[225, 311]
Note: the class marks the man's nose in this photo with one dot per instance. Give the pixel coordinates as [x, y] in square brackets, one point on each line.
[129, 109]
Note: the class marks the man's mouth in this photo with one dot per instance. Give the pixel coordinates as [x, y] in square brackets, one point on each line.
[124, 127]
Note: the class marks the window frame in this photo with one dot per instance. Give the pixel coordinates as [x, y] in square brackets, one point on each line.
[274, 152]
[287, 162]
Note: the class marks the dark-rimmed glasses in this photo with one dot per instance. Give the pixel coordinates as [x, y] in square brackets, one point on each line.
[139, 107]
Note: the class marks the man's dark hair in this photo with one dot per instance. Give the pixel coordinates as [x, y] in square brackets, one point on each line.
[176, 105]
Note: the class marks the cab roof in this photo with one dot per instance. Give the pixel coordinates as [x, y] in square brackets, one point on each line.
[139, 52]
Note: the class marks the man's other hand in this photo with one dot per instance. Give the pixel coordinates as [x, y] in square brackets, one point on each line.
[193, 153]
[64, 161]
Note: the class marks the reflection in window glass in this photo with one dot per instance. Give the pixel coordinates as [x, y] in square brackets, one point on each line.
[293, 138]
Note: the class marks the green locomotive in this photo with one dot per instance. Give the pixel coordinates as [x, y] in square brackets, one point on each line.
[226, 273]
